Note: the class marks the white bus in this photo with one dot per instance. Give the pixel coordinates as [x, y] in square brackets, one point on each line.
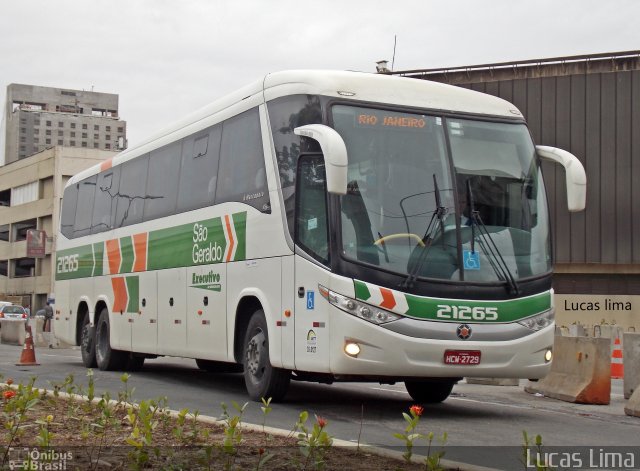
[320, 226]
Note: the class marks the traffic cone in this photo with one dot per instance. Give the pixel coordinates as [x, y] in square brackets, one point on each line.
[617, 366]
[28, 355]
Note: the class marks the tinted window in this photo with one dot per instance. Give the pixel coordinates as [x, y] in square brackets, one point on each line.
[162, 181]
[132, 192]
[311, 216]
[104, 207]
[242, 175]
[84, 208]
[199, 170]
[286, 114]
[68, 212]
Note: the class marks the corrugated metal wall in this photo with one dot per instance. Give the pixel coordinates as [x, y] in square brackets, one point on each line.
[596, 116]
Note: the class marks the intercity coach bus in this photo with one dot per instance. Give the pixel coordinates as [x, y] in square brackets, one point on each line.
[320, 226]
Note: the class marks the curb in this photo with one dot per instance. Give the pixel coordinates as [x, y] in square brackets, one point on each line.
[210, 420]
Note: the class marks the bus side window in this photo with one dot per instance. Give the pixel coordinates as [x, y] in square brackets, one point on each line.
[311, 229]
[104, 205]
[162, 181]
[84, 210]
[200, 155]
[132, 192]
[242, 175]
[68, 212]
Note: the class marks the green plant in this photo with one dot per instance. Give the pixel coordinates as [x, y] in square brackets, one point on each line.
[232, 433]
[410, 435]
[16, 404]
[315, 443]
[534, 446]
[143, 420]
[44, 434]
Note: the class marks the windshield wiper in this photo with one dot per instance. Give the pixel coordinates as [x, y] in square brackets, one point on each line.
[488, 245]
[428, 238]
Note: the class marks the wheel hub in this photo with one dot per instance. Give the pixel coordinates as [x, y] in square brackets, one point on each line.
[254, 354]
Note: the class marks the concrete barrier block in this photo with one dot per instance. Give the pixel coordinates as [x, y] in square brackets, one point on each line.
[577, 330]
[494, 381]
[12, 331]
[580, 372]
[608, 331]
[631, 360]
[633, 405]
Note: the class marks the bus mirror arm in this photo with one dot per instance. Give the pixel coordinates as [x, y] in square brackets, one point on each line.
[335, 154]
[575, 175]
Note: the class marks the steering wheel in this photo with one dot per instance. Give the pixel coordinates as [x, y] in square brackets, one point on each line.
[400, 235]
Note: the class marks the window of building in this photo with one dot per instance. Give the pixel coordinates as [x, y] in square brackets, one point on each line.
[48, 123]
[48, 141]
[73, 125]
[36, 131]
[84, 135]
[48, 132]
[23, 148]
[96, 145]
[4, 232]
[60, 133]
[107, 137]
[108, 129]
[3, 267]
[73, 134]
[84, 126]
[60, 124]
[24, 267]
[72, 143]
[23, 130]
[23, 139]
[20, 229]
[36, 121]
[242, 176]
[5, 197]
[96, 136]
[107, 146]
[60, 142]
[26, 193]
[120, 129]
[96, 127]
[23, 121]
[35, 140]
[84, 144]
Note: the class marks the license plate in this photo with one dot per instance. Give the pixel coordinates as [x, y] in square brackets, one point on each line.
[462, 357]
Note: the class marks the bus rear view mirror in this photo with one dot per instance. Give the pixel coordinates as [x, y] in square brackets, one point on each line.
[335, 154]
[575, 175]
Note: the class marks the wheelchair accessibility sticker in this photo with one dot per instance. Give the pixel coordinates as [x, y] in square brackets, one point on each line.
[471, 260]
[310, 300]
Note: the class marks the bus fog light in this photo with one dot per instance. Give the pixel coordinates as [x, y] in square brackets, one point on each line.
[352, 349]
[548, 356]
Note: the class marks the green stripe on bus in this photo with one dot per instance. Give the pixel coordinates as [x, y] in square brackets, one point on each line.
[98, 258]
[126, 249]
[362, 292]
[133, 289]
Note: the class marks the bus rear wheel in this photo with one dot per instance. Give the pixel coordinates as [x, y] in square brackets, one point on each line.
[261, 378]
[429, 392]
[88, 343]
[107, 358]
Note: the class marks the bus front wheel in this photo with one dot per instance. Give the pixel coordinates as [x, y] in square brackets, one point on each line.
[261, 379]
[107, 358]
[429, 392]
[88, 343]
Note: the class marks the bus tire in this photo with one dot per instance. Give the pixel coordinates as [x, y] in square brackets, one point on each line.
[218, 366]
[107, 358]
[88, 343]
[261, 379]
[429, 392]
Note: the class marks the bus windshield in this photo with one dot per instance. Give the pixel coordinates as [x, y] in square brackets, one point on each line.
[442, 198]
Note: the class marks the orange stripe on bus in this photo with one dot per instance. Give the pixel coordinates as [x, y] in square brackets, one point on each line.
[140, 247]
[119, 294]
[106, 164]
[113, 254]
[231, 241]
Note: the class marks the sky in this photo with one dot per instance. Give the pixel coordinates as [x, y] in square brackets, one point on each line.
[167, 58]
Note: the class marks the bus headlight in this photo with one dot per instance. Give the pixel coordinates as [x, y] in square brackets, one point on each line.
[357, 308]
[539, 321]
